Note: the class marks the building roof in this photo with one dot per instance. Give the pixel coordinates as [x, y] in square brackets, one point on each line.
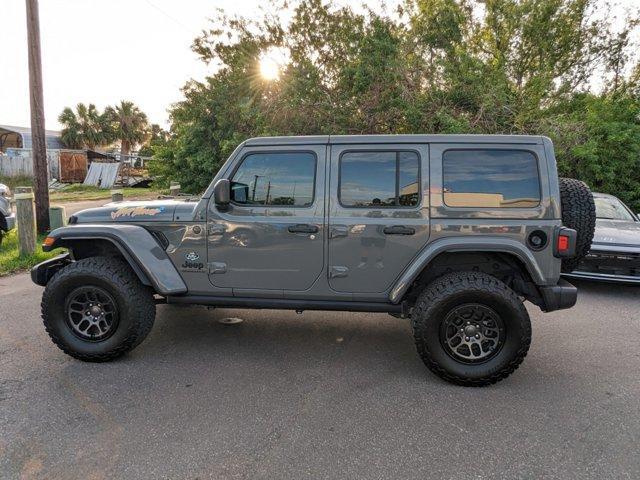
[52, 136]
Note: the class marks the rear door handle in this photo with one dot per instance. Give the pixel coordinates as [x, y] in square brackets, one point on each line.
[303, 228]
[399, 230]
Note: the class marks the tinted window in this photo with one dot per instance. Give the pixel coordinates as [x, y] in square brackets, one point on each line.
[379, 179]
[490, 178]
[275, 179]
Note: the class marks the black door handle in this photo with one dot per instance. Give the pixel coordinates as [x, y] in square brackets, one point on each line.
[399, 230]
[303, 228]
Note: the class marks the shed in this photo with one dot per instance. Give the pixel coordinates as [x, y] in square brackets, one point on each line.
[73, 166]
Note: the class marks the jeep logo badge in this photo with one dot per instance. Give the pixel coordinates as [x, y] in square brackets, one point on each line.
[192, 256]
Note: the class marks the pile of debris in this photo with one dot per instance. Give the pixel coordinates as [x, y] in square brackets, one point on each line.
[109, 174]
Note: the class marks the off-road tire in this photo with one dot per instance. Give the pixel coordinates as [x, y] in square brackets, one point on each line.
[135, 303]
[461, 288]
[578, 213]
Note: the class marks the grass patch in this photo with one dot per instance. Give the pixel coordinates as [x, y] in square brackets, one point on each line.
[11, 261]
[13, 182]
[79, 192]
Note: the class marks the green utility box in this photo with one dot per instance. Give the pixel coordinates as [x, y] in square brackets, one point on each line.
[57, 217]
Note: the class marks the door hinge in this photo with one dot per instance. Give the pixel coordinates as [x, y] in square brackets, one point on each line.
[217, 267]
[338, 271]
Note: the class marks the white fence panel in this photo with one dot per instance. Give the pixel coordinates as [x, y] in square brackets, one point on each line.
[19, 162]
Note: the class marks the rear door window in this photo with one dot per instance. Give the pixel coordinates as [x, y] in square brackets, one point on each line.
[379, 179]
[486, 178]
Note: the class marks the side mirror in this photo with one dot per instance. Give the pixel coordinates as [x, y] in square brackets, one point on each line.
[222, 193]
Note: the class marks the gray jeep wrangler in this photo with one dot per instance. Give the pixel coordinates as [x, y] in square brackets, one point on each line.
[451, 232]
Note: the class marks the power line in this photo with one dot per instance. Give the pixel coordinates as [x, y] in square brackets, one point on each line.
[175, 20]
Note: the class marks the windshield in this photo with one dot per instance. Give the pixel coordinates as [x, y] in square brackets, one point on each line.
[612, 209]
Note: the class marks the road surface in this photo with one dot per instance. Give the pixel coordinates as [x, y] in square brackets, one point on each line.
[318, 395]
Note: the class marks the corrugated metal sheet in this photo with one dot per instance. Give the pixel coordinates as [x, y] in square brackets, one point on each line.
[102, 175]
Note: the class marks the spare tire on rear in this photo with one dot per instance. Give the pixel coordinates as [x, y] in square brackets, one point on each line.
[578, 213]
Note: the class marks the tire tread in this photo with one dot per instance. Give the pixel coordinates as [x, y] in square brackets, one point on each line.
[456, 283]
[120, 275]
[578, 213]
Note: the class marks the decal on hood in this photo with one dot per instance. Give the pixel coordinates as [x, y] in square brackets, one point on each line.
[136, 212]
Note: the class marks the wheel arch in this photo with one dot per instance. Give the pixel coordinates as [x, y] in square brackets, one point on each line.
[135, 244]
[493, 255]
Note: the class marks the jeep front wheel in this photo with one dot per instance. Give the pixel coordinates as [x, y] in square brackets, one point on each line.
[470, 328]
[96, 309]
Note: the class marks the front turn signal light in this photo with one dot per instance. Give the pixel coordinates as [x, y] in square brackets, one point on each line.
[48, 242]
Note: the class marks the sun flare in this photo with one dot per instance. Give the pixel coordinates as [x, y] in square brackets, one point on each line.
[271, 63]
[269, 68]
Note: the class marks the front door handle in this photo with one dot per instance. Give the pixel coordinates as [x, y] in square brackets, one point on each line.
[303, 228]
[399, 230]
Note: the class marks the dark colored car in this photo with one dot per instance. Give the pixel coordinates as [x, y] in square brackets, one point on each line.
[615, 250]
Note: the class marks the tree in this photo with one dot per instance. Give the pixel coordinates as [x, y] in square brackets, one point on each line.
[157, 138]
[84, 128]
[128, 124]
[437, 66]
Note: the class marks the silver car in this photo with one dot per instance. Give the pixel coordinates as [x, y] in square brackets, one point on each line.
[7, 217]
[615, 251]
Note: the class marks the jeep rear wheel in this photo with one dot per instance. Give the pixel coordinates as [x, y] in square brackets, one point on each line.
[578, 213]
[471, 329]
[96, 309]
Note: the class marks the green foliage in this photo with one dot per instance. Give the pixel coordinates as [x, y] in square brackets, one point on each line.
[127, 124]
[89, 128]
[435, 66]
[10, 259]
[18, 181]
[85, 128]
[157, 137]
[599, 140]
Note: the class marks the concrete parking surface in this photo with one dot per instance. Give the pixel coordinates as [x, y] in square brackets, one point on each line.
[318, 395]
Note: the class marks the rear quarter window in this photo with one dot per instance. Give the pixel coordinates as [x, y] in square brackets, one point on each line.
[486, 178]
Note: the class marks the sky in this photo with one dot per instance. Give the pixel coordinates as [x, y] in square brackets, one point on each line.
[104, 51]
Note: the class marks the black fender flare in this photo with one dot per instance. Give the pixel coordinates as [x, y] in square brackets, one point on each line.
[139, 248]
[461, 244]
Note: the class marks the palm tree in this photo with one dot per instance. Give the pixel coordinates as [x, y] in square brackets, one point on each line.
[84, 128]
[129, 125]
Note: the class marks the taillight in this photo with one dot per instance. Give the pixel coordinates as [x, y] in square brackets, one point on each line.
[565, 244]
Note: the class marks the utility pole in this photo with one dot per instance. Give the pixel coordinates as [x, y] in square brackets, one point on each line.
[39, 146]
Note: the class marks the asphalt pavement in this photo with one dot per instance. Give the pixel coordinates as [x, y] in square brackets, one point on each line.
[318, 395]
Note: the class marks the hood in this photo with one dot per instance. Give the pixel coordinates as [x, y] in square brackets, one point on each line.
[139, 211]
[617, 232]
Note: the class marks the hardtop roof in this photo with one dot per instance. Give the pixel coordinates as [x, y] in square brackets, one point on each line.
[387, 139]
